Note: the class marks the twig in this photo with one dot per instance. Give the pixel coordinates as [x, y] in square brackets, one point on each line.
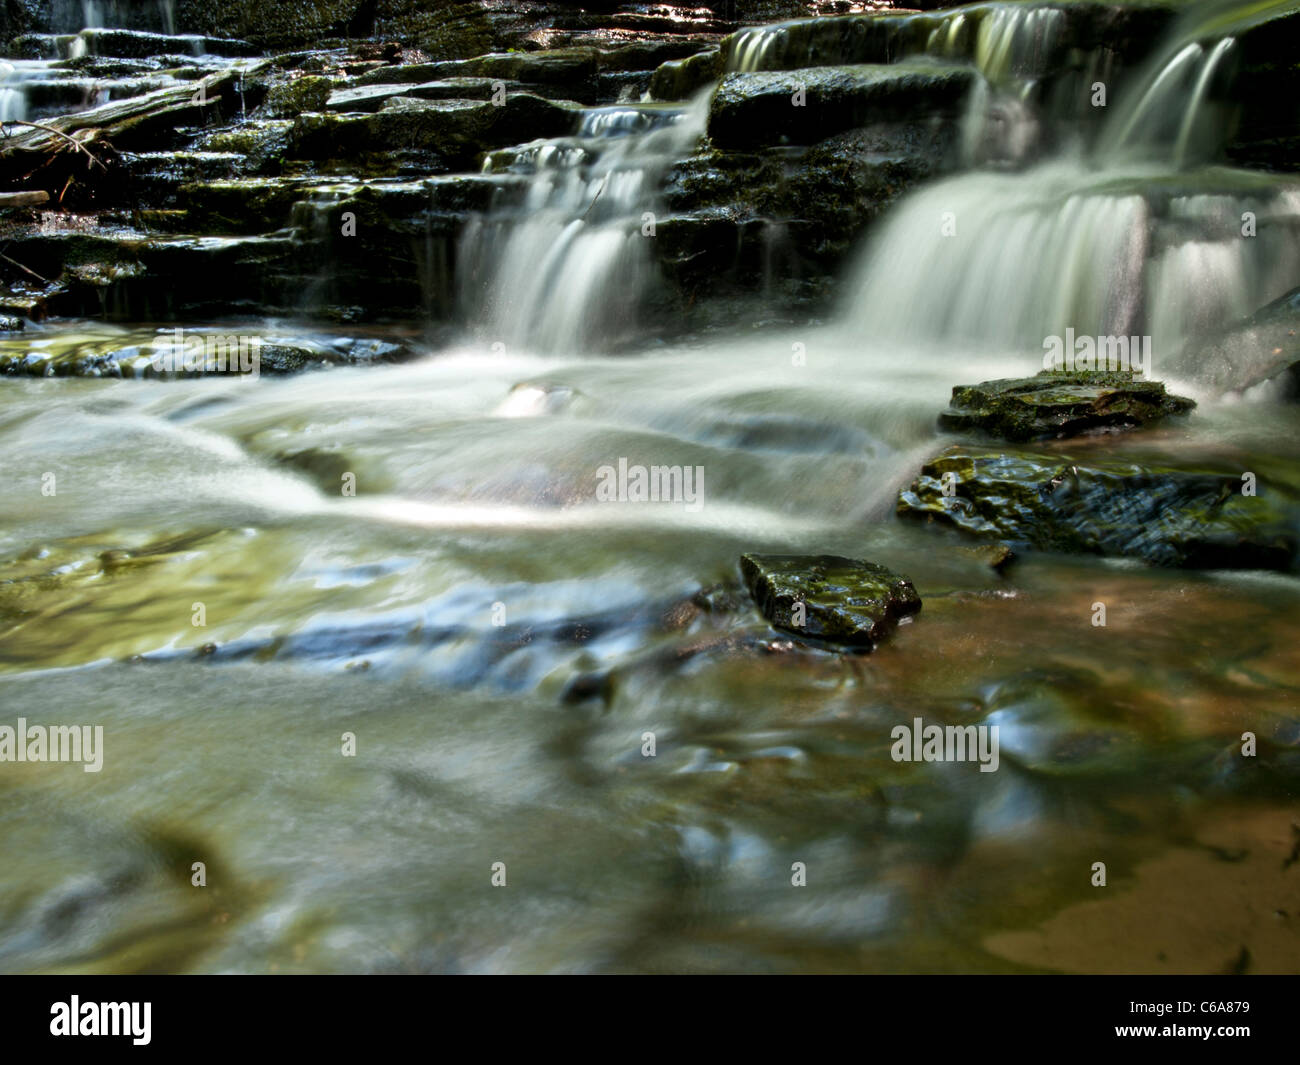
[58, 133]
[596, 197]
[43, 280]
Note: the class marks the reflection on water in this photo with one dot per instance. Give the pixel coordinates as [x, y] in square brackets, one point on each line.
[499, 645]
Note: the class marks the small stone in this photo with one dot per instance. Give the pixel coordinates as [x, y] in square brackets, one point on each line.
[839, 600]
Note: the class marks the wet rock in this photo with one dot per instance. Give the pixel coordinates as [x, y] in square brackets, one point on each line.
[679, 78]
[1266, 91]
[1187, 514]
[136, 44]
[1124, 30]
[827, 597]
[73, 357]
[1060, 404]
[1251, 351]
[291, 98]
[743, 218]
[373, 97]
[996, 556]
[260, 144]
[410, 135]
[753, 110]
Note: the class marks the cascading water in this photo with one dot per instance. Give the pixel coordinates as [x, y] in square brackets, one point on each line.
[565, 265]
[13, 97]
[1122, 241]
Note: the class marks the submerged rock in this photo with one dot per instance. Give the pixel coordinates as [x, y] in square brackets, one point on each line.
[1188, 515]
[1060, 403]
[828, 597]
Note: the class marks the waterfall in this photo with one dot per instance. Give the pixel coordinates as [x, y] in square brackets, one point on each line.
[13, 98]
[1169, 117]
[1138, 237]
[563, 264]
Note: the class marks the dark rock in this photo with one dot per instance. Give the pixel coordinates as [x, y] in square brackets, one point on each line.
[844, 600]
[1190, 515]
[1255, 349]
[1059, 404]
[753, 110]
[373, 97]
[413, 136]
[1266, 91]
[291, 98]
[1124, 30]
[996, 556]
[1288, 383]
[679, 78]
[789, 217]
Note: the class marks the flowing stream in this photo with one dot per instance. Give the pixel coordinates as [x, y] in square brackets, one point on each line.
[414, 556]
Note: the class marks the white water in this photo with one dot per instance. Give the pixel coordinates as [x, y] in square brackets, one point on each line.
[565, 266]
[1125, 241]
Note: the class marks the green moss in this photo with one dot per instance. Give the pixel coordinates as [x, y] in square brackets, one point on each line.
[292, 98]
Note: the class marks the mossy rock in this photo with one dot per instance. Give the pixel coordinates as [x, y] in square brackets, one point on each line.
[1060, 404]
[843, 600]
[291, 98]
[1191, 515]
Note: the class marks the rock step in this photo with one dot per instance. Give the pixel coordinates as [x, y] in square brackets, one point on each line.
[126, 44]
[1124, 29]
[409, 136]
[811, 104]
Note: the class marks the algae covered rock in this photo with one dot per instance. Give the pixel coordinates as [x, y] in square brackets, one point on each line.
[1191, 515]
[828, 597]
[1058, 403]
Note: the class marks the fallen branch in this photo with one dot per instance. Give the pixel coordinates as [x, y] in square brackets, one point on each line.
[58, 133]
[24, 199]
[24, 269]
